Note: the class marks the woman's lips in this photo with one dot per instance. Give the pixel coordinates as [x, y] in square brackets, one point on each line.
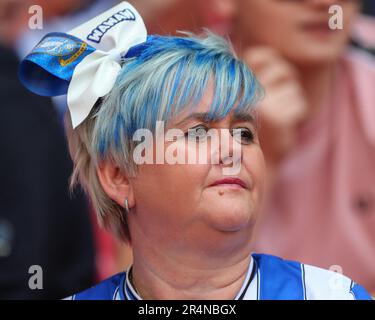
[317, 28]
[230, 182]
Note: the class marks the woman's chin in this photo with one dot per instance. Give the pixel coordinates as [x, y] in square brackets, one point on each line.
[230, 220]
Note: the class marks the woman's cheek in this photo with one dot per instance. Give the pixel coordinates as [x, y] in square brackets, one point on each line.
[254, 164]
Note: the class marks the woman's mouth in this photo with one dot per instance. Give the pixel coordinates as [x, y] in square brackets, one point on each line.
[230, 182]
[318, 29]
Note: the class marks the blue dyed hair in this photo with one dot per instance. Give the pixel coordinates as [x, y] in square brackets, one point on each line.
[165, 75]
[169, 74]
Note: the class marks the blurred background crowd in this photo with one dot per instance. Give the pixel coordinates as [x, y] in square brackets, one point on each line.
[317, 131]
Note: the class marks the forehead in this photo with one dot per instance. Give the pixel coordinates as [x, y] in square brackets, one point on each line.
[219, 93]
[202, 111]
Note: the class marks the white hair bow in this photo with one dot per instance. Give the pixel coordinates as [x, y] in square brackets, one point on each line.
[85, 62]
[112, 33]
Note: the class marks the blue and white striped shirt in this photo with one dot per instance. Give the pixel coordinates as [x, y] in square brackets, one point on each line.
[268, 278]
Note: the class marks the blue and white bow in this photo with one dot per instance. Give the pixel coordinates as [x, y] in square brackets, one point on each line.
[84, 63]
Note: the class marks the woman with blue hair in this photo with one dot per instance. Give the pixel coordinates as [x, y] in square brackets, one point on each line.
[189, 222]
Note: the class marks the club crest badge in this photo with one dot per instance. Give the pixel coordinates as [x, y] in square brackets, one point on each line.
[65, 48]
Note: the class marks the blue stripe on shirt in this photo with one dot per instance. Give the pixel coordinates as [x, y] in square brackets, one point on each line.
[281, 279]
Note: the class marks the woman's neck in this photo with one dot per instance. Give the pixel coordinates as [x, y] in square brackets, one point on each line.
[157, 275]
[318, 84]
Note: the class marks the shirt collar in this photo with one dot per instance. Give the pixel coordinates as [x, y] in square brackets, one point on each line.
[128, 292]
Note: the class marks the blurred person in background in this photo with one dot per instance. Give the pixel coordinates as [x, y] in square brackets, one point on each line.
[40, 223]
[171, 16]
[369, 7]
[320, 105]
[363, 33]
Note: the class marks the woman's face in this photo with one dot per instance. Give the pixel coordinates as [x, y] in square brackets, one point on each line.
[298, 29]
[180, 207]
[187, 15]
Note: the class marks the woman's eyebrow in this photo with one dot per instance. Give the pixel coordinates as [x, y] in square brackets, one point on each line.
[243, 116]
[205, 116]
[201, 116]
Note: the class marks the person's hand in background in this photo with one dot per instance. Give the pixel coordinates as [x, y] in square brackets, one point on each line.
[284, 104]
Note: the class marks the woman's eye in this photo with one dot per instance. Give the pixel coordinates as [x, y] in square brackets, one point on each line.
[243, 135]
[198, 132]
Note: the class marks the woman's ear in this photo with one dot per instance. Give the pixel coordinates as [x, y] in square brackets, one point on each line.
[115, 184]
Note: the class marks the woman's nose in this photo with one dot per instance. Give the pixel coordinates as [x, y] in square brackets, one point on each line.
[230, 151]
